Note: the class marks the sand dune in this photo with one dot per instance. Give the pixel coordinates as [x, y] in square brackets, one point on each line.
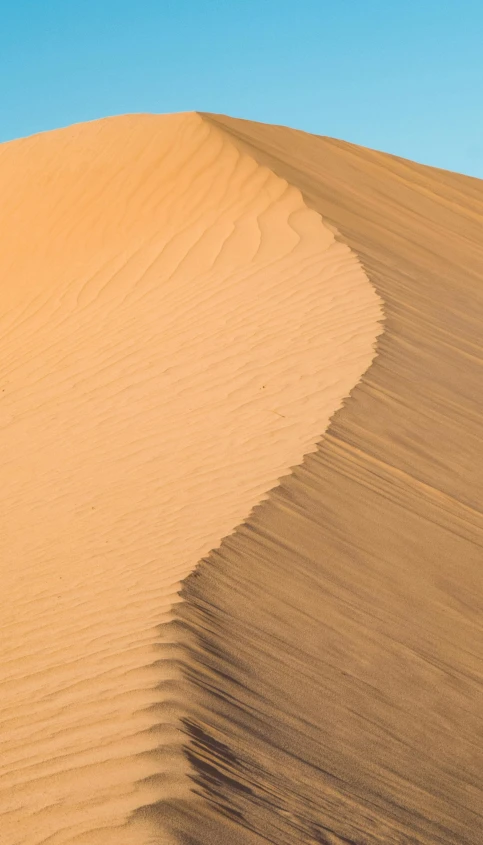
[188, 301]
[176, 327]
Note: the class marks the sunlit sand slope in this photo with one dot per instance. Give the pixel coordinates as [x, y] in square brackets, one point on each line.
[176, 328]
[334, 644]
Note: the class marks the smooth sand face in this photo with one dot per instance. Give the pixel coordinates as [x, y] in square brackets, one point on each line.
[176, 329]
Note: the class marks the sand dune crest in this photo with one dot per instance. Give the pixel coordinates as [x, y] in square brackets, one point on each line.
[332, 645]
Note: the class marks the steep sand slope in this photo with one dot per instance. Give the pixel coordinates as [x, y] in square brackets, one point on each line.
[176, 330]
[334, 644]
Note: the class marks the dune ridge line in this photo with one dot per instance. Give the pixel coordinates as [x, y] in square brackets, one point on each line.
[332, 646]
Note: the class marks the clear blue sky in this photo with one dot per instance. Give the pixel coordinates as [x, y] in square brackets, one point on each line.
[398, 75]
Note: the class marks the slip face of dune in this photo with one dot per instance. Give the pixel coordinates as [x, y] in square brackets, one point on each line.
[333, 645]
[176, 329]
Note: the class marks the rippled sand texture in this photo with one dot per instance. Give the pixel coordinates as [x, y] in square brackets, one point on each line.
[334, 644]
[176, 328]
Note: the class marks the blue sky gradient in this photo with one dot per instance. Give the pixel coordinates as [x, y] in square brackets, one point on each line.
[406, 78]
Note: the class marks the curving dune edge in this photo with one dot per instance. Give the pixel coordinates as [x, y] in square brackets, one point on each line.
[332, 646]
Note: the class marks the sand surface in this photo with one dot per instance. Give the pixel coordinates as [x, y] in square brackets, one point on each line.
[176, 329]
[333, 646]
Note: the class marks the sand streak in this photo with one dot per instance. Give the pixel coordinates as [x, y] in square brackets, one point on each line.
[176, 329]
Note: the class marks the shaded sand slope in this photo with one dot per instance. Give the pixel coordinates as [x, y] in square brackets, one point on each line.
[176, 328]
[334, 643]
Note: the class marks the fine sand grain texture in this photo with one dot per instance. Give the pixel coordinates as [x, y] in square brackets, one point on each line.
[333, 645]
[176, 329]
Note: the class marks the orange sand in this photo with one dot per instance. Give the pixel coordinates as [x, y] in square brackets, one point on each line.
[176, 330]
